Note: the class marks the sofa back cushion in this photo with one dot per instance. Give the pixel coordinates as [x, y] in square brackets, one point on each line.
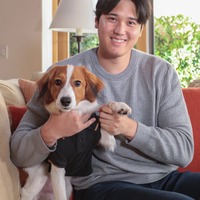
[192, 98]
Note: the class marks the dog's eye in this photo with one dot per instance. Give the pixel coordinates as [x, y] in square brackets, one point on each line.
[77, 83]
[58, 82]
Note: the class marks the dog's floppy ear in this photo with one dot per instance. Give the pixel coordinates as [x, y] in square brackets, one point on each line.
[43, 85]
[93, 85]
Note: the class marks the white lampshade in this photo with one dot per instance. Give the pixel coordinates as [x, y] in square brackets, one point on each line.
[74, 16]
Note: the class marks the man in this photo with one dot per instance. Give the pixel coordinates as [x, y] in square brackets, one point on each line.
[151, 143]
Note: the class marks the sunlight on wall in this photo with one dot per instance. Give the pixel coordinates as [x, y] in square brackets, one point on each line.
[46, 34]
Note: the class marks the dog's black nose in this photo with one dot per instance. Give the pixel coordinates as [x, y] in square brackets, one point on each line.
[65, 101]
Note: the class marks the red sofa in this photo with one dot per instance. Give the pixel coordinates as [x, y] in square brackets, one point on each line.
[192, 98]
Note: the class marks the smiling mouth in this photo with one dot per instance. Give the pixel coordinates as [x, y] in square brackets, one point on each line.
[118, 40]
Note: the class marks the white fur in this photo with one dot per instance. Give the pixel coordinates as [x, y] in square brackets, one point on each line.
[67, 90]
[58, 183]
[37, 178]
[61, 184]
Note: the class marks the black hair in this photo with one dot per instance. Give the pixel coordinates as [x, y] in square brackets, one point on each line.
[143, 8]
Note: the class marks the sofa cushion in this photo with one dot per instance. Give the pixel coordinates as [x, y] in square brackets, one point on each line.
[11, 92]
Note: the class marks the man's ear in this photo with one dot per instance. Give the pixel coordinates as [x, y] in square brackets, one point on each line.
[96, 25]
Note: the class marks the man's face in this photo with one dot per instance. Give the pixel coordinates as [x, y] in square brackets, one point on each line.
[118, 30]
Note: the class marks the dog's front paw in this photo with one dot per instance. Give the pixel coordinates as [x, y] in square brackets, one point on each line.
[120, 108]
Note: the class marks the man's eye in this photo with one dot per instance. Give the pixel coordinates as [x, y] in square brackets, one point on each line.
[58, 82]
[132, 23]
[112, 19]
[77, 83]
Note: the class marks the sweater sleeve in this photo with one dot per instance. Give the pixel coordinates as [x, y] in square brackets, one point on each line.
[170, 141]
[27, 146]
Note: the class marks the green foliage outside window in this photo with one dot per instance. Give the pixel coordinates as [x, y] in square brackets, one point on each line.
[177, 39]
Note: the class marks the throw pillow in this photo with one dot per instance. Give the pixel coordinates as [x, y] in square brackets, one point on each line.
[28, 88]
[16, 113]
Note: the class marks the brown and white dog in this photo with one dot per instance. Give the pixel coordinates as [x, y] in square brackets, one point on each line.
[62, 89]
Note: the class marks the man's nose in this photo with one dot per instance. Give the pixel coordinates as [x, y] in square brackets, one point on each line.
[120, 28]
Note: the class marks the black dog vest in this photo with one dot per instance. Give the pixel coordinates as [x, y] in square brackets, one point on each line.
[75, 153]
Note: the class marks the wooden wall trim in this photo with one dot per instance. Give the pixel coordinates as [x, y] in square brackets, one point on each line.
[142, 41]
[60, 41]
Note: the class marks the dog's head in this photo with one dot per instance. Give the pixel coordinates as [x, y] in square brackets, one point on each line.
[62, 88]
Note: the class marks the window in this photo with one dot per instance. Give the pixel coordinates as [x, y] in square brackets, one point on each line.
[177, 36]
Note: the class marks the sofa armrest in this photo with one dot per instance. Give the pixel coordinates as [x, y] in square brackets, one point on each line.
[9, 176]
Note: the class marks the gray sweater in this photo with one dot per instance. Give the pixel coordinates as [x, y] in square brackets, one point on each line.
[163, 140]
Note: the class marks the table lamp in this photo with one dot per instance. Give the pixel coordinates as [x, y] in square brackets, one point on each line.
[74, 16]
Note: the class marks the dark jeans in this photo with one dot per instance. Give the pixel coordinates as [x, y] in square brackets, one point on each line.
[175, 186]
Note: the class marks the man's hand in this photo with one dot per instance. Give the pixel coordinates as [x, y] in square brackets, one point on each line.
[64, 125]
[116, 124]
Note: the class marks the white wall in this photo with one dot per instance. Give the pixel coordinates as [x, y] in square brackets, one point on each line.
[21, 31]
[46, 34]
